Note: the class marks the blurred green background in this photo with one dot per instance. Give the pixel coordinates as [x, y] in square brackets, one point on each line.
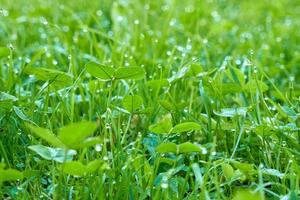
[166, 32]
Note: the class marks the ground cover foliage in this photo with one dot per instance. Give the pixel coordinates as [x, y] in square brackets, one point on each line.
[128, 99]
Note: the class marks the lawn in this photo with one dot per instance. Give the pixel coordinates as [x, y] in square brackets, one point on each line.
[141, 99]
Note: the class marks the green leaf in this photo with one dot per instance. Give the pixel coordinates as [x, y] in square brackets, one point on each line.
[198, 175]
[168, 161]
[264, 130]
[57, 78]
[10, 175]
[289, 112]
[90, 141]
[57, 154]
[245, 168]
[206, 101]
[243, 194]
[74, 134]
[93, 166]
[188, 147]
[195, 69]
[130, 73]
[253, 85]
[292, 196]
[185, 127]
[273, 172]
[163, 126]
[60, 155]
[180, 74]
[228, 171]
[155, 85]
[46, 135]
[100, 71]
[37, 55]
[236, 75]
[74, 168]
[168, 147]
[20, 114]
[7, 97]
[231, 88]
[6, 100]
[167, 105]
[4, 52]
[41, 150]
[132, 102]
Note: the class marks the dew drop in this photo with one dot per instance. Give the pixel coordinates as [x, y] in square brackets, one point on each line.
[98, 147]
[99, 13]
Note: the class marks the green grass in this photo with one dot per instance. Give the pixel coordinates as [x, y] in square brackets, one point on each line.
[208, 106]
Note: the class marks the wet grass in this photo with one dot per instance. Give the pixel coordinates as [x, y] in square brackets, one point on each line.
[149, 99]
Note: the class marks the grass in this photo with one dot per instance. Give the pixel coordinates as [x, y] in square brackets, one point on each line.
[149, 99]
